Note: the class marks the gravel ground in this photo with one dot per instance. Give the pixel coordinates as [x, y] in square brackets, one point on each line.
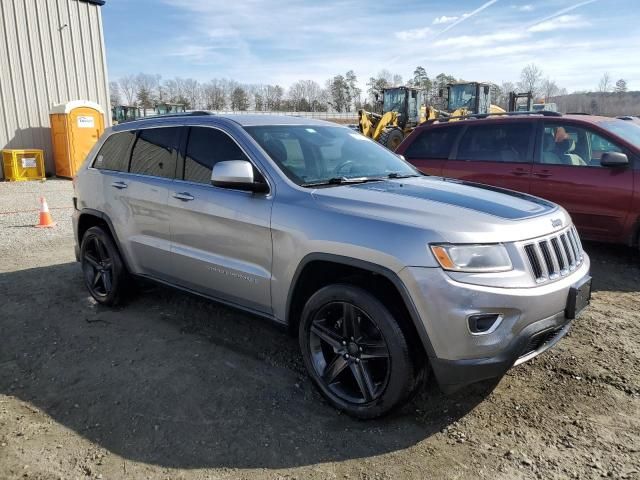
[172, 386]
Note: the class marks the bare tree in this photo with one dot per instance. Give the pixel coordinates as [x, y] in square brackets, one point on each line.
[273, 97]
[128, 88]
[397, 80]
[192, 92]
[549, 89]
[213, 95]
[530, 79]
[604, 85]
[114, 94]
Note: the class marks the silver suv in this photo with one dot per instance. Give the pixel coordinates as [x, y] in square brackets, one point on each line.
[386, 276]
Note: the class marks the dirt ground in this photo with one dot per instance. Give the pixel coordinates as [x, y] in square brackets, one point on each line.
[173, 386]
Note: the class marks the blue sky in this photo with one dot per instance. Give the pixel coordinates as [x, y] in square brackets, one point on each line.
[281, 41]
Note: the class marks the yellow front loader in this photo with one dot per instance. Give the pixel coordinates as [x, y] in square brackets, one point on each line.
[404, 108]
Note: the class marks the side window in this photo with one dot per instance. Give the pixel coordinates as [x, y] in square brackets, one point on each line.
[114, 154]
[434, 143]
[155, 152]
[206, 147]
[568, 145]
[505, 142]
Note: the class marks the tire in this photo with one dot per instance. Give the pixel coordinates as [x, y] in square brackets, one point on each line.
[391, 138]
[103, 270]
[365, 377]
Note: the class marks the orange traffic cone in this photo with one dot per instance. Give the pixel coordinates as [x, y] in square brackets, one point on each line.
[45, 217]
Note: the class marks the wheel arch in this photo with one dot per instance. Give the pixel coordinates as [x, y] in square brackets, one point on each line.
[94, 218]
[320, 269]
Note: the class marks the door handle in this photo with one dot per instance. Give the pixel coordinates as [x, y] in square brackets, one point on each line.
[543, 174]
[184, 196]
[119, 185]
[519, 173]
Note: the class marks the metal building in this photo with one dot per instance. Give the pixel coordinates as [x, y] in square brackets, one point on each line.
[51, 52]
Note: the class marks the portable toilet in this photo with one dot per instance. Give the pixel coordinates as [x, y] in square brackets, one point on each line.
[76, 126]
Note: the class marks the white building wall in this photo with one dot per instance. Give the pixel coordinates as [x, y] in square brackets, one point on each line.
[51, 51]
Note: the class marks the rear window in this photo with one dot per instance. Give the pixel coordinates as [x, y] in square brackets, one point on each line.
[114, 154]
[507, 142]
[154, 153]
[433, 143]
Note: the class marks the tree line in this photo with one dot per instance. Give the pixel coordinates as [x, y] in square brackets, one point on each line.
[339, 93]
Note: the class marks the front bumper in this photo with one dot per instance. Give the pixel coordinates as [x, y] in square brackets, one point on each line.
[533, 320]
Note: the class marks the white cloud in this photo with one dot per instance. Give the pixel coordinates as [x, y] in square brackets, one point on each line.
[475, 41]
[413, 34]
[562, 22]
[526, 8]
[444, 19]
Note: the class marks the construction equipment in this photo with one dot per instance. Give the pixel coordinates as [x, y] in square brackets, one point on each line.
[165, 108]
[126, 113]
[515, 104]
[404, 108]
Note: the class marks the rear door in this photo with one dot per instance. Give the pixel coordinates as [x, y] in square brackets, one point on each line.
[568, 172]
[430, 148]
[495, 153]
[139, 201]
[221, 238]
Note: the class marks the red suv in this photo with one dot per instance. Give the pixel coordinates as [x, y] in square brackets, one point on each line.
[590, 165]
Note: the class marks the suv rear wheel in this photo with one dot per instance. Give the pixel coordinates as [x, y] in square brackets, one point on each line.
[355, 351]
[104, 272]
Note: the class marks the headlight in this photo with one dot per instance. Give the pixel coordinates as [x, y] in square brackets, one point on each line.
[472, 258]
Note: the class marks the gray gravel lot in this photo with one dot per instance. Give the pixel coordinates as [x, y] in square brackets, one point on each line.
[173, 386]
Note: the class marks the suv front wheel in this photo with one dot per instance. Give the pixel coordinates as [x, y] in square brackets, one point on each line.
[355, 351]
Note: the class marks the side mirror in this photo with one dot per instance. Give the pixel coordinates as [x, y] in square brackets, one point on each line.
[238, 175]
[614, 159]
[486, 89]
[441, 93]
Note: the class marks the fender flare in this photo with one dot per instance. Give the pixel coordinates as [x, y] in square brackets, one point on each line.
[371, 267]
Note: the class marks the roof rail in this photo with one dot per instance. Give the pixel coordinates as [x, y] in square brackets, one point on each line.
[578, 113]
[194, 113]
[479, 116]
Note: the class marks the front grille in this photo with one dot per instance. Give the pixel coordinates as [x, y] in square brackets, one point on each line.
[554, 256]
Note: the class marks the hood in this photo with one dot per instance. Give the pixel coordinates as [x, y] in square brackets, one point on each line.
[453, 207]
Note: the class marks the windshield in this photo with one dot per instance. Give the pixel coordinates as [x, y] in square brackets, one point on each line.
[393, 100]
[462, 96]
[629, 131]
[318, 154]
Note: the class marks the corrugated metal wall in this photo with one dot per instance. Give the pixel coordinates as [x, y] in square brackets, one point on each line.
[51, 51]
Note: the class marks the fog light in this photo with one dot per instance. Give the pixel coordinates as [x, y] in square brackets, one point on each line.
[484, 323]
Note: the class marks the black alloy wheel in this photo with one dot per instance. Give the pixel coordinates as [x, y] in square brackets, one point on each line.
[104, 273]
[349, 352]
[355, 351]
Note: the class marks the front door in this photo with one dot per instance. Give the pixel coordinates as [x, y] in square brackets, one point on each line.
[221, 238]
[495, 153]
[568, 172]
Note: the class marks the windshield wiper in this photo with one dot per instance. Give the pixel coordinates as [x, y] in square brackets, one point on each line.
[402, 175]
[342, 181]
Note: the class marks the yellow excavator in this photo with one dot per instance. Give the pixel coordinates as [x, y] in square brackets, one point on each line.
[404, 108]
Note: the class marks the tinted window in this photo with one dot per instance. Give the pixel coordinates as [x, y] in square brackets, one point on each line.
[114, 154]
[434, 143]
[155, 152]
[497, 143]
[206, 147]
[564, 144]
